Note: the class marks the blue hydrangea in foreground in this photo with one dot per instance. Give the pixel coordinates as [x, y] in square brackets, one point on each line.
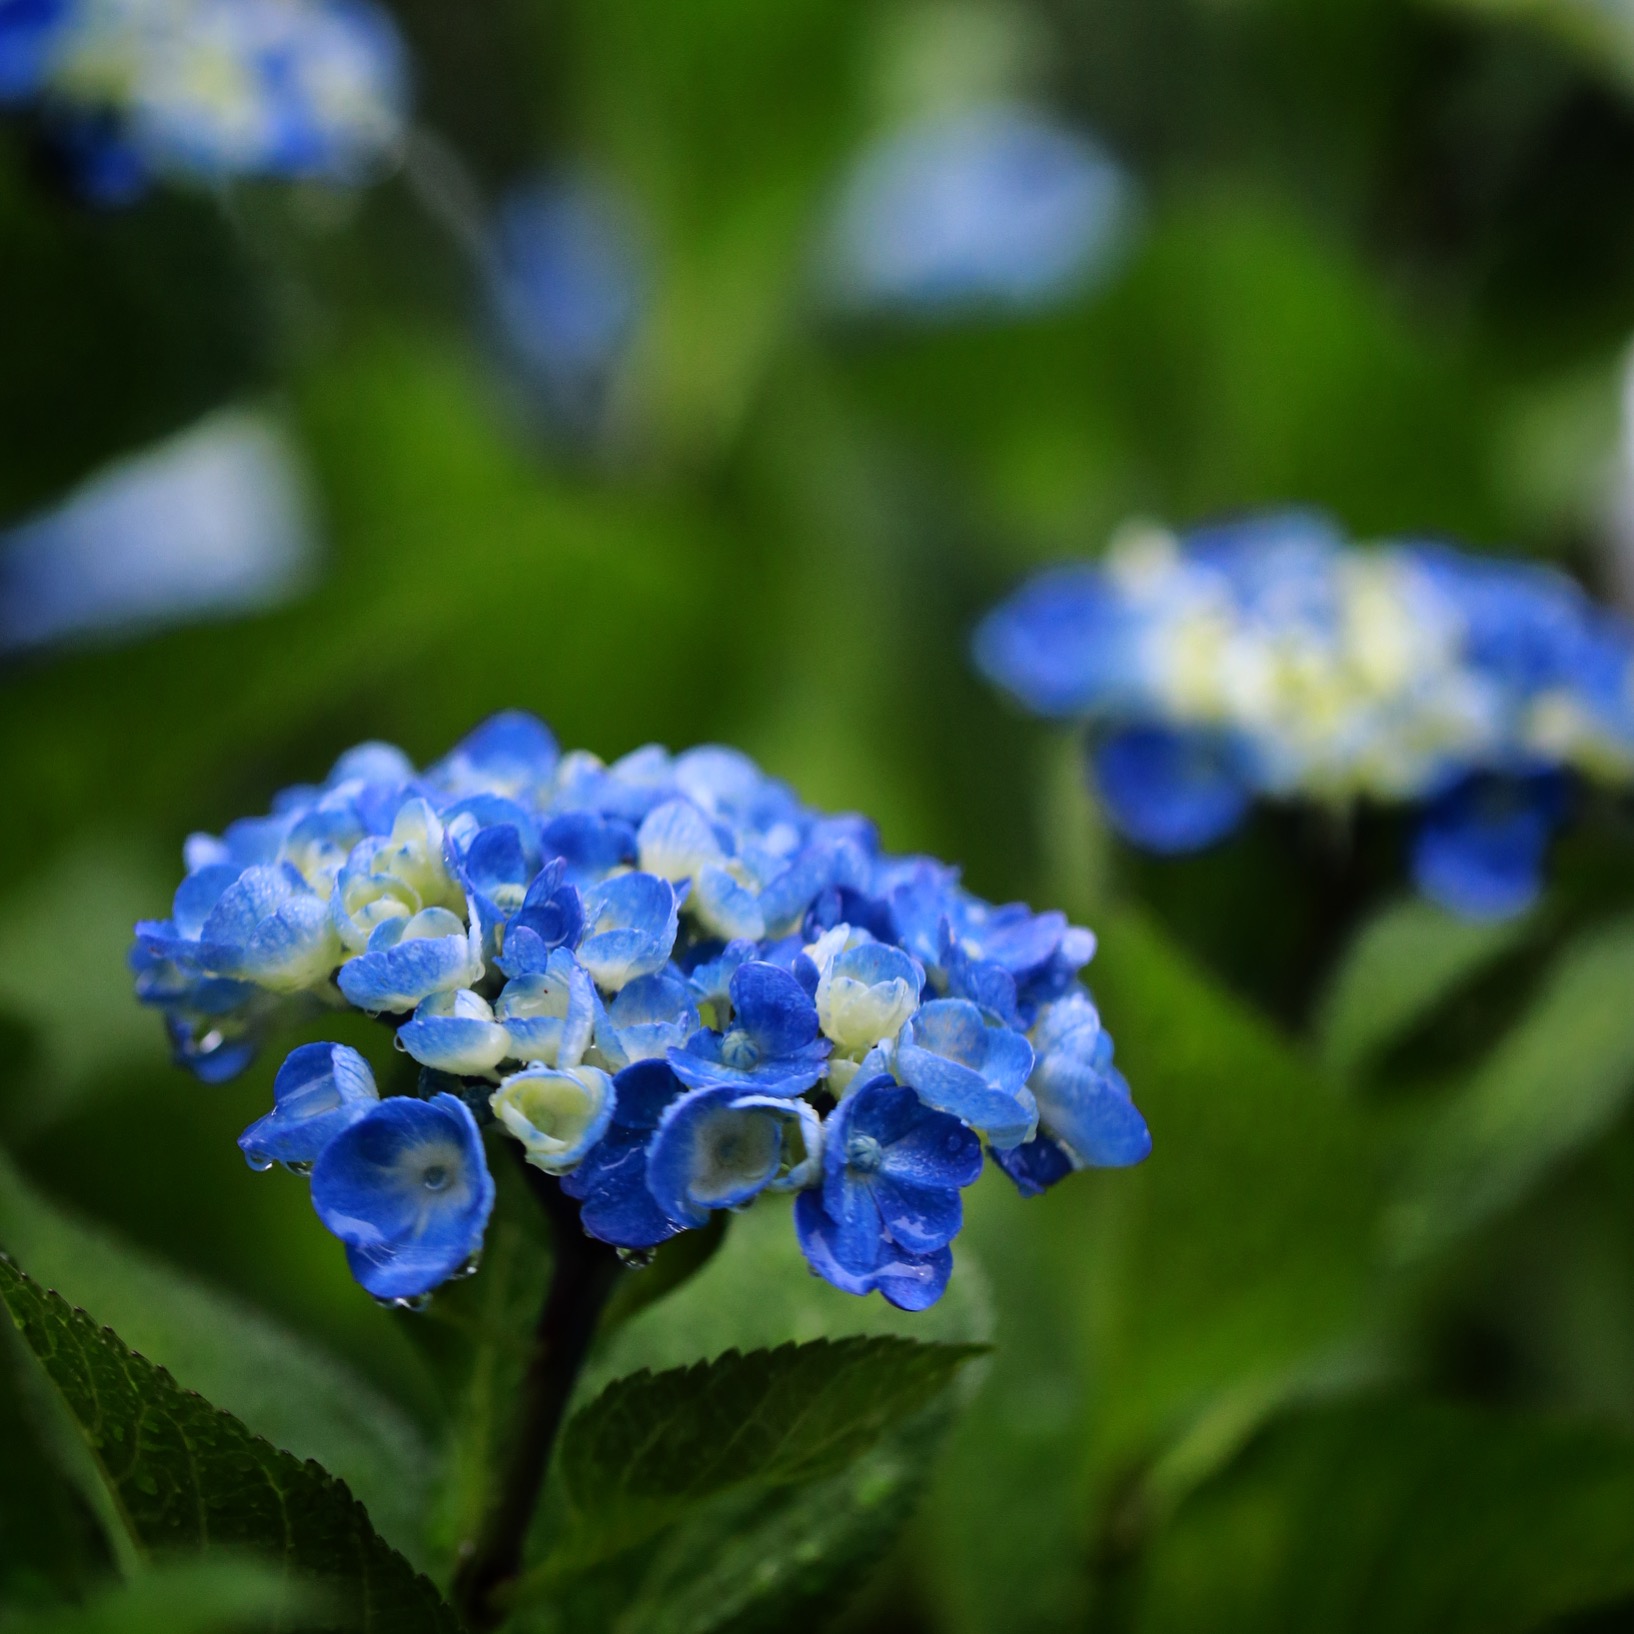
[208, 90]
[670, 983]
[1272, 659]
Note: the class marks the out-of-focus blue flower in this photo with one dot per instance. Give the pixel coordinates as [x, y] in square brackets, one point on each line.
[997, 208]
[1168, 791]
[961, 1064]
[720, 1147]
[30, 32]
[1479, 851]
[319, 1091]
[568, 286]
[889, 1203]
[773, 1044]
[610, 1184]
[1268, 658]
[547, 934]
[406, 1189]
[209, 90]
[211, 524]
[558, 1113]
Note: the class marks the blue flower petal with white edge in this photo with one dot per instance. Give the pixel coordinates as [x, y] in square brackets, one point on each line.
[773, 1044]
[1169, 791]
[407, 1189]
[631, 922]
[718, 1148]
[1479, 851]
[646, 1020]
[456, 1033]
[961, 1065]
[513, 754]
[320, 1090]
[410, 959]
[866, 990]
[270, 929]
[549, 1015]
[611, 1180]
[552, 916]
[558, 1113]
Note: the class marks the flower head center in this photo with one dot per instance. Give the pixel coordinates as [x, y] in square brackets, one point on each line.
[435, 1177]
[864, 1152]
[739, 1050]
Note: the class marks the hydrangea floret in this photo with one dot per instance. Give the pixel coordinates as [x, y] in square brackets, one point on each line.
[208, 90]
[670, 983]
[1273, 659]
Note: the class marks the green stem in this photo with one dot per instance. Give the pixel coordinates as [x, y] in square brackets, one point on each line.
[582, 1277]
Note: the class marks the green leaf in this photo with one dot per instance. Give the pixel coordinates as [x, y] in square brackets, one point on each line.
[202, 1597]
[1557, 1080]
[1403, 963]
[1141, 1313]
[183, 1476]
[654, 1444]
[244, 1362]
[1401, 1518]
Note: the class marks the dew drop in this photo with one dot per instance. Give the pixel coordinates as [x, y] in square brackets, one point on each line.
[414, 1302]
[259, 1161]
[302, 1166]
[636, 1259]
[468, 1269]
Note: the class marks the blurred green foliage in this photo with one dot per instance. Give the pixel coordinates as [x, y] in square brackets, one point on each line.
[1355, 1349]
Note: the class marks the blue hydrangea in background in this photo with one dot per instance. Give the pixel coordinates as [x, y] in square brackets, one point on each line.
[214, 522]
[208, 90]
[1273, 659]
[989, 208]
[567, 281]
[667, 981]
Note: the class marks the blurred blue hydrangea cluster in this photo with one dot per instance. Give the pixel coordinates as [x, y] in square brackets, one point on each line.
[1270, 658]
[208, 90]
[670, 982]
[997, 207]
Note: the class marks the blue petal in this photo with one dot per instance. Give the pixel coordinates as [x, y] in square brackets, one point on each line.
[772, 1006]
[406, 1188]
[711, 1152]
[320, 1090]
[1480, 850]
[1035, 1166]
[911, 1282]
[616, 1204]
[1169, 791]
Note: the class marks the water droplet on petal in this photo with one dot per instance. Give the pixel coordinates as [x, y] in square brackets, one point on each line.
[636, 1259]
[259, 1161]
[469, 1269]
[302, 1167]
[414, 1302]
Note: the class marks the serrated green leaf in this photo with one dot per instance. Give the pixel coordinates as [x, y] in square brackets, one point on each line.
[1556, 1080]
[185, 1476]
[281, 1386]
[654, 1444]
[1404, 962]
[1401, 1518]
[758, 1558]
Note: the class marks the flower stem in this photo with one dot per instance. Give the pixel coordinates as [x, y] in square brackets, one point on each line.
[582, 1276]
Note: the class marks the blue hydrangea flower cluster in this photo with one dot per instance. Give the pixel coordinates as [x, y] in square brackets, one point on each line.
[208, 90]
[990, 208]
[1271, 658]
[673, 985]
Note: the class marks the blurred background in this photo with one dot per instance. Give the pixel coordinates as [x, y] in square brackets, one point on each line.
[702, 373]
